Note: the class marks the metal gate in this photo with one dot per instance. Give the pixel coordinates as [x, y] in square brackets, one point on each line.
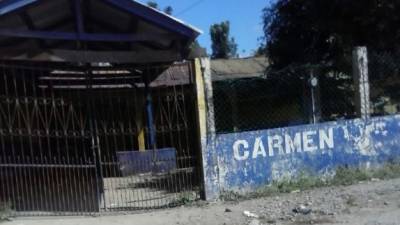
[88, 138]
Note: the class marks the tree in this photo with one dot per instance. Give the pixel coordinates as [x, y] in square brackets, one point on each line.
[223, 46]
[168, 10]
[260, 51]
[324, 32]
[152, 4]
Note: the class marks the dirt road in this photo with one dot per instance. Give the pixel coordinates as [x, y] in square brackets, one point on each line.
[368, 203]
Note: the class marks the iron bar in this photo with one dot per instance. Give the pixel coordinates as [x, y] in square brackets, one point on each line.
[59, 148]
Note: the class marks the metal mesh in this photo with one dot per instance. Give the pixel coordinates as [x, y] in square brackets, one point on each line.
[384, 73]
[294, 96]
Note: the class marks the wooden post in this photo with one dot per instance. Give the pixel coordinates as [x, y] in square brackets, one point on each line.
[361, 82]
[205, 115]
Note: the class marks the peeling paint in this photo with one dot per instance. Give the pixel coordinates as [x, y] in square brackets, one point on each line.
[249, 160]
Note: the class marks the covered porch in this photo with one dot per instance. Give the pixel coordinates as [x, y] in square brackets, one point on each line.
[98, 107]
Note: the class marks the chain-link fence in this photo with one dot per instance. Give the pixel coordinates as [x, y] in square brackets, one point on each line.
[384, 72]
[293, 96]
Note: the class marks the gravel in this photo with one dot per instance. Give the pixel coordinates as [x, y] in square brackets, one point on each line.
[369, 203]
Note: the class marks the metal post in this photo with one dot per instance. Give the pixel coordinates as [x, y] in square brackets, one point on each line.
[361, 82]
[314, 83]
[235, 110]
[149, 112]
[95, 141]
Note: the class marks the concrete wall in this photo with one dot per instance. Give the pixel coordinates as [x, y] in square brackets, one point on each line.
[243, 162]
[249, 160]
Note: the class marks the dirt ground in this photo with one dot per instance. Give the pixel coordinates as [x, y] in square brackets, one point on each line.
[368, 203]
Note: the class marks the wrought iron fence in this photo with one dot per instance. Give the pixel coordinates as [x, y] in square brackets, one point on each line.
[293, 96]
[96, 138]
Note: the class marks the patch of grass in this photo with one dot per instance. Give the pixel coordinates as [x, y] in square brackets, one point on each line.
[349, 176]
[303, 182]
[287, 185]
[183, 199]
[231, 196]
[343, 176]
[388, 171]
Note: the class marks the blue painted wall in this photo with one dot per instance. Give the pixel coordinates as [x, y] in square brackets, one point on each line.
[249, 160]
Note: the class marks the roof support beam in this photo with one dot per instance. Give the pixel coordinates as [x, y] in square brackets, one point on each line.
[139, 57]
[31, 26]
[76, 6]
[152, 16]
[106, 37]
[9, 6]
[78, 16]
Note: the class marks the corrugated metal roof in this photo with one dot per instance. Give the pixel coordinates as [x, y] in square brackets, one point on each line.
[224, 69]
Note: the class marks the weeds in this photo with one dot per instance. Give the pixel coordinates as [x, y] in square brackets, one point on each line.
[348, 176]
[183, 199]
[343, 176]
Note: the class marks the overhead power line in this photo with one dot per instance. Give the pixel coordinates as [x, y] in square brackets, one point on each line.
[190, 7]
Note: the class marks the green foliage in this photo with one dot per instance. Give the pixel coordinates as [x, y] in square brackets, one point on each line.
[324, 32]
[347, 176]
[305, 181]
[223, 46]
[152, 4]
[287, 185]
[185, 198]
[168, 10]
[260, 51]
[389, 171]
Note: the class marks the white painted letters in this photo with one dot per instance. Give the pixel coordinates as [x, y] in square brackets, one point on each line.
[308, 141]
[285, 144]
[259, 148]
[275, 142]
[236, 150]
[326, 139]
[294, 144]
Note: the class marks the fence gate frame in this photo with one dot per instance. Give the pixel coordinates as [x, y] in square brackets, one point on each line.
[81, 45]
[159, 173]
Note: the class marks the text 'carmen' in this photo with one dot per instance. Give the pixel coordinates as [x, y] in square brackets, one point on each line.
[263, 146]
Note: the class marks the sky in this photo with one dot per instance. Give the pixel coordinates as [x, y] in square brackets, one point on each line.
[244, 16]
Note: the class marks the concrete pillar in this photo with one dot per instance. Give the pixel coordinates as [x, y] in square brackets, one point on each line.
[361, 82]
[205, 113]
